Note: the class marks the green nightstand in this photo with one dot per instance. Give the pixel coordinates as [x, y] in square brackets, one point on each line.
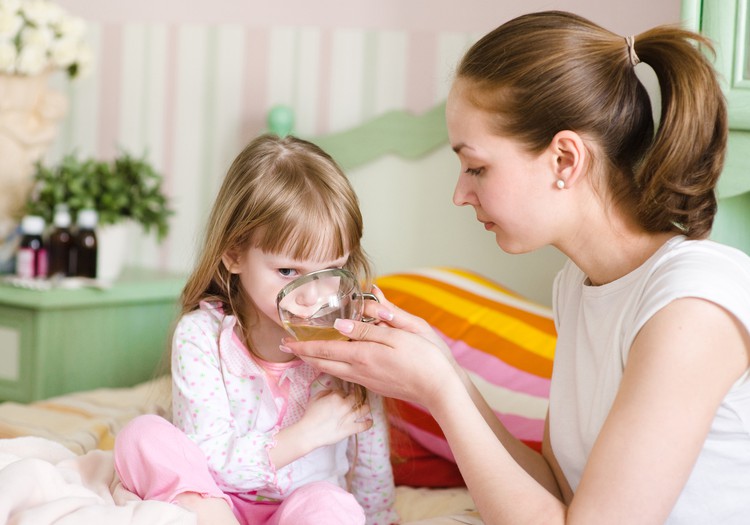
[58, 341]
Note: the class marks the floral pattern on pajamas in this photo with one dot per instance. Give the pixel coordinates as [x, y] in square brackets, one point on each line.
[225, 401]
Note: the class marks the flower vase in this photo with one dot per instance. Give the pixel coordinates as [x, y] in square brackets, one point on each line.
[29, 113]
[113, 242]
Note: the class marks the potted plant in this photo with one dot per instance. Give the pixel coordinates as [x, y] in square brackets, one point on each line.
[126, 189]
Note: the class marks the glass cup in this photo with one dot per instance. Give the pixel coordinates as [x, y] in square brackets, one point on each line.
[310, 304]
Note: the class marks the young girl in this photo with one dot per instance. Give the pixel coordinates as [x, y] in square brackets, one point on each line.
[256, 430]
[649, 415]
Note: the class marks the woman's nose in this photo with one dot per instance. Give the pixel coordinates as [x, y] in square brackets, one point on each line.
[461, 194]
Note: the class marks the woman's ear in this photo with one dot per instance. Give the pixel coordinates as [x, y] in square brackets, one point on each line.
[570, 157]
[231, 261]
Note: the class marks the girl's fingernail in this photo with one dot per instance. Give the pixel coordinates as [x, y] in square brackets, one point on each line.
[285, 349]
[385, 315]
[343, 325]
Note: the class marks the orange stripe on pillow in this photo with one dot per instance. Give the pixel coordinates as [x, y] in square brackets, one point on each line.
[431, 289]
[524, 357]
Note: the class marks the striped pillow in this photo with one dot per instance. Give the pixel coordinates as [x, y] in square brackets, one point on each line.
[503, 340]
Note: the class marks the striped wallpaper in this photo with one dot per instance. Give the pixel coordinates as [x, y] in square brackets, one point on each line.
[190, 82]
[192, 95]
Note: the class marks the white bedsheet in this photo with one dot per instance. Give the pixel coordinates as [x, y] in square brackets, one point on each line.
[42, 483]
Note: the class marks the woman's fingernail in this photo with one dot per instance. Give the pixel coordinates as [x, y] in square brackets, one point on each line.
[385, 315]
[285, 349]
[343, 325]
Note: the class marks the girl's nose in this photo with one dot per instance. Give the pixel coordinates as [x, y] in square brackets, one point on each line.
[308, 294]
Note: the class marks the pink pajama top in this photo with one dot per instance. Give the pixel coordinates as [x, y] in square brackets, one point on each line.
[232, 405]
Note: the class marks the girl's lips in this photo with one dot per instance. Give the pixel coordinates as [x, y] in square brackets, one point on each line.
[487, 225]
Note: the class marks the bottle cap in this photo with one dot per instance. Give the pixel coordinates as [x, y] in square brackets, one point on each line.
[62, 216]
[32, 225]
[87, 218]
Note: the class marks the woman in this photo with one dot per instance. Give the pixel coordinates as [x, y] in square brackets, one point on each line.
[649, 417]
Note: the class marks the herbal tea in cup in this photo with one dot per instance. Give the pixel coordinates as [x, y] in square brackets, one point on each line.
[310, 304]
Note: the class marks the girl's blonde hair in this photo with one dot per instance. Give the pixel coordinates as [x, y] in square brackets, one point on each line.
[546, 72]
[282, 195]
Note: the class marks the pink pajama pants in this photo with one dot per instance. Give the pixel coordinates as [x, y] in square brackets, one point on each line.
[157, 461]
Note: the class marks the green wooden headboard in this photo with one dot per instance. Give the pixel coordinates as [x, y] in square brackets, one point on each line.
[397, 132]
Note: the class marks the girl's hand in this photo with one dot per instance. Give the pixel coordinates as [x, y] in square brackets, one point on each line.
[330, 417]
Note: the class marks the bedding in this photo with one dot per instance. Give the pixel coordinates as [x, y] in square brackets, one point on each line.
[503, 340]
[55, 454]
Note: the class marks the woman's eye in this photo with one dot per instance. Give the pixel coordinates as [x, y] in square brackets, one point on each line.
[473, 171]
[287, 272]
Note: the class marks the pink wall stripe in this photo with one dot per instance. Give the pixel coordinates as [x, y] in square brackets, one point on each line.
[255, 83]
[324, 88]
[496, 371]
[421, 72]
[110, 70]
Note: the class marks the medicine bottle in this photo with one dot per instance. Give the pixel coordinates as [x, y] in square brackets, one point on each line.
[31, 258]
[85, 246]
[60, 243]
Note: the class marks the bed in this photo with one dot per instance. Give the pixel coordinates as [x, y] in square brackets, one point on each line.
[55, 454]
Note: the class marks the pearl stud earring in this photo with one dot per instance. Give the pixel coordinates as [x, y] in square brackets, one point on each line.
[560, 183]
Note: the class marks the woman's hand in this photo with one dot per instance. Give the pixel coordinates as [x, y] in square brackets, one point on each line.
[386, 358]
[388, 313]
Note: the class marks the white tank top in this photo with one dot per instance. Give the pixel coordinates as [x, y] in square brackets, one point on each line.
[596, 327]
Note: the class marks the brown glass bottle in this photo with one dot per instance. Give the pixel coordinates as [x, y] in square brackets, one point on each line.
[60, 244]
[84, 244]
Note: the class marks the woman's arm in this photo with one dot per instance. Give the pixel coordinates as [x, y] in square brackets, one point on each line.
[645, 451]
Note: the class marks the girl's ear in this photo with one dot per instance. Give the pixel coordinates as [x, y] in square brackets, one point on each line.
[570, 156]
[231, 261]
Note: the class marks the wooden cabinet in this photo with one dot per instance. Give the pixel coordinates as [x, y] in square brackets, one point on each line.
[727, 24]
[58, 341]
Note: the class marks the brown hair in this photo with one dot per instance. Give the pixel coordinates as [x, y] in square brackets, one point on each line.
[546, 72]
[283, 195]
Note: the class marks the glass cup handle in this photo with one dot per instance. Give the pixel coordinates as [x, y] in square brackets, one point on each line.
[371, 297]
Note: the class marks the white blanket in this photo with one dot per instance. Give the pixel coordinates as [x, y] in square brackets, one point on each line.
[42, 482]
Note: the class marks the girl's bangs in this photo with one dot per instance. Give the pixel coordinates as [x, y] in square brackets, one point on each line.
[306, 237]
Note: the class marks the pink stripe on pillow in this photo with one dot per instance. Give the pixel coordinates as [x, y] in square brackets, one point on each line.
[523, 428]
[435, 444]
[497, 371]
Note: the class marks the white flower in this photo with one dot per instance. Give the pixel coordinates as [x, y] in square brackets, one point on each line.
[63, 52]
[31, 61]
[8, 56]
[71, 27]
[10, 5]
[36, 35]
[10, 23]
[40, 12]
[39, 37]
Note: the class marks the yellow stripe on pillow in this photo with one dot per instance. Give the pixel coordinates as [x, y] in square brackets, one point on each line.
[524, 331]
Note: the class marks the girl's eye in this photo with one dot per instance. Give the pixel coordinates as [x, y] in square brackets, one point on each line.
[473, 171]
[287, 272]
